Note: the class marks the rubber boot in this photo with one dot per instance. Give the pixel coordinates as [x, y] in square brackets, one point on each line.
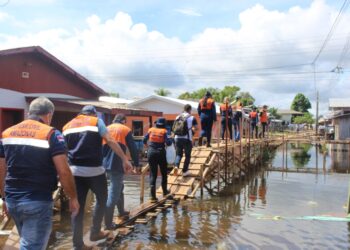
[153, 197]
[200, 141]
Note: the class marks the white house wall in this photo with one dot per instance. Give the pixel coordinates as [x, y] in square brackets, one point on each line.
[162, 106]
[12, 99]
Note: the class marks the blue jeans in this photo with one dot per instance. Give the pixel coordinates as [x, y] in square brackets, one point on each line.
[33, 220]
[115, 197]
[182, 145]
[98, 185]
[237, 130]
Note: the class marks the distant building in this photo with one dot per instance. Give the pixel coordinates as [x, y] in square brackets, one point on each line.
[170, 107]
[340, 115]
[287, 115]
[26, 73]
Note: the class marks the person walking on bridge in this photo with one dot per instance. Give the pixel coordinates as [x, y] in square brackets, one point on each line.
[263, 119]
[254, 119]
[183, 143]
[114, 168]
[237, 117]
[156, 154]
[226, 110]
[83, 136]
[207, 113]
[32, 155]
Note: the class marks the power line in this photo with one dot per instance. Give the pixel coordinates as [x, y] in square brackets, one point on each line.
[330, 33]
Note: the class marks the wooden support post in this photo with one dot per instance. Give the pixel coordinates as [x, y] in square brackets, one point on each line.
[202, 180]
[324, 152]
[287, 154]
[349, 199]
[142, 191]
[219, 170]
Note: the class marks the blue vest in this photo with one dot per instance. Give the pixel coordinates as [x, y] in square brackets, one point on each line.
[83, 141]
[31, 174]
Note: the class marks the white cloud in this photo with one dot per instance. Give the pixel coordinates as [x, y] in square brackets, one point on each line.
[4, 16]
[31, 2]
[188, 12]
[126, 57]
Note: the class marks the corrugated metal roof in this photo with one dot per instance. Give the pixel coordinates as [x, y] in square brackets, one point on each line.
[339, 102]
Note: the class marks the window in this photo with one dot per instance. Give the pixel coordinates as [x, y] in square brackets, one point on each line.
[137, 128]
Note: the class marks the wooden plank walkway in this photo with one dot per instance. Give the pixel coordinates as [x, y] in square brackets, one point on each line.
[205, 164]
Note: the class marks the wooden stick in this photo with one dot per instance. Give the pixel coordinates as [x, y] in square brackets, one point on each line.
[142, 192]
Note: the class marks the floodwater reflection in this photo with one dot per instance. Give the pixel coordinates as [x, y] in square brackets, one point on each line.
[267, 210]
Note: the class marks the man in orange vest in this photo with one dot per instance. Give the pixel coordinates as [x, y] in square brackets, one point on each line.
[254, 119]
[32, 155]
[83, 136]
[226, 111]
[263, 119]
[114, 167]
[207, 113]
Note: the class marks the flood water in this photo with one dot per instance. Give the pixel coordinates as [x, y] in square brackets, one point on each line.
[269, 210]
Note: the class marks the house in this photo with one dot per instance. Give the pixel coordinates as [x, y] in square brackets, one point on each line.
[170, 107]
[340, 116]
[26, 73]
[288, 115]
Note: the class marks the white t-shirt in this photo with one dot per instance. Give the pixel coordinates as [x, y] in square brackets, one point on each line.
[190, 119]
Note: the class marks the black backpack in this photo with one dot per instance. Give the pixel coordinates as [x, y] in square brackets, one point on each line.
[180, 125]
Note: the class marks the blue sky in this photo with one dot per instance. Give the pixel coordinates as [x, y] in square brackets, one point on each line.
[264, 47]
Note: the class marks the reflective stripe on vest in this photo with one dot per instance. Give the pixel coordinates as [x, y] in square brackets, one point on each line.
[83, 141]
[157, 135]
[81, 123]
[28, 132]
[30, 169]
[209, 105]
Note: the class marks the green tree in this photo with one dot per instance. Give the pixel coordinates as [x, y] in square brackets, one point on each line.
[273, 112]
[218, 94]
[114, 94]
[162, 92]
[246, 98]
[300, 103]
[300, 155]
[228, 91]
[305, 118]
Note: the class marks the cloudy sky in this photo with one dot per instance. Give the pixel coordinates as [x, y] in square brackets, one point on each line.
[273, 49]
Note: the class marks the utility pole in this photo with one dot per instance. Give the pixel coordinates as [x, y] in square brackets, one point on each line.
[317, 112]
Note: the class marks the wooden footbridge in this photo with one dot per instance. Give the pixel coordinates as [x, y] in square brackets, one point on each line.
[211, 169]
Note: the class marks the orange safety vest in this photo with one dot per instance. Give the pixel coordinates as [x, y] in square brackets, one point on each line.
[118, 132]
[29, 162]
[157, 135]
[253, 114]
[263, 116]
[209, 105]
[223, 107]
[81, 123]
[84, 142]
[28, 132]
